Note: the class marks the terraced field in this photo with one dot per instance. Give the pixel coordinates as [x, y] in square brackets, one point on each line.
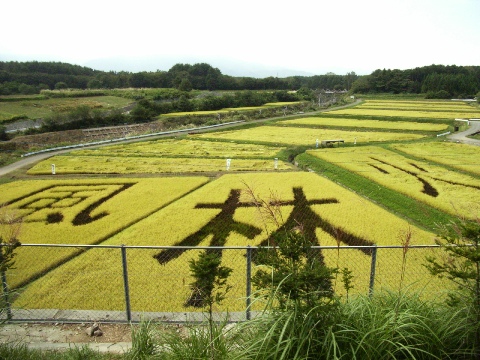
[153, 200]
[417, 110]
[220, 214]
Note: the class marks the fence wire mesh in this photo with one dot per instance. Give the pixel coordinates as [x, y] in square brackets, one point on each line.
[126, 283]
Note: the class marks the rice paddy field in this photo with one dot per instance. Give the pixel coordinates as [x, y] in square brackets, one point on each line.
[183, 192]
[432, 184]
[416, 110]
[277, 135]
[458, 156]
[149, 165]
[371, 124]
[328, 209]
[167, 156]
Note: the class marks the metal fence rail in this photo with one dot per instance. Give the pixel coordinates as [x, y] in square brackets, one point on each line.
[117, 283]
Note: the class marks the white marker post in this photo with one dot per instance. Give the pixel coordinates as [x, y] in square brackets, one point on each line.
[316, 144]
[228, 163]
[53, 169]
[355, 142]
[275, 164]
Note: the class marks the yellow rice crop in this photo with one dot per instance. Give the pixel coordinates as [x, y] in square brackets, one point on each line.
[460, 156]
[417, 105]
[457, 193]
[304, 136]
[184, 147]
[375, 124]
[150, 165]
[450, 115]
[144, 197]
[172, 224]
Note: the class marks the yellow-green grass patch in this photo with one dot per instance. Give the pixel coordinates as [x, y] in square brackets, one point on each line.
[184, 147]
[449, 191]
[461, 156]
[220, 213]
[305, 136]
[150, 165]
[373, 124]
[34, 109]
[83, 212]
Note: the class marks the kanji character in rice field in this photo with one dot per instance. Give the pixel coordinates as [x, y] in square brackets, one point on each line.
[219, 227]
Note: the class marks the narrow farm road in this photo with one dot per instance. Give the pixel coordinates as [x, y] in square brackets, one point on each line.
[462, 136]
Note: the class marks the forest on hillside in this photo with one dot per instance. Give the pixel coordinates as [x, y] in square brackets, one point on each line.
[436, 81]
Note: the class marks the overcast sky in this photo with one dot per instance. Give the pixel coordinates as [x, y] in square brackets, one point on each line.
[311, 36]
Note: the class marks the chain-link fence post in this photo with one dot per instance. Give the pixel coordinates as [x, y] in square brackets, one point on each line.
[372, 270]
[5, 296]
[125, 283]
[249, 283]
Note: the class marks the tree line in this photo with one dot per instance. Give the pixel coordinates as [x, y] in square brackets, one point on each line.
[32, 77]
[436, 81]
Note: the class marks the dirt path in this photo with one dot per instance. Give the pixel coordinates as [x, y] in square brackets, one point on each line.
[115, 338]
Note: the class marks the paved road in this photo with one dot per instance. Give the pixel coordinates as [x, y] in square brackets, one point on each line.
[462, 136]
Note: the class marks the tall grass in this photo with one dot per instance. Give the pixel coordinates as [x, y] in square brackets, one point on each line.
[203, 341]
[20, 351]
[386, 326]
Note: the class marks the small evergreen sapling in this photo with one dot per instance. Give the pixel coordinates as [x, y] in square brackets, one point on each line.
[209, 288]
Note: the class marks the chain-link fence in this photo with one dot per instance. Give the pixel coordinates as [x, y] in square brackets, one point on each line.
[129, 283]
